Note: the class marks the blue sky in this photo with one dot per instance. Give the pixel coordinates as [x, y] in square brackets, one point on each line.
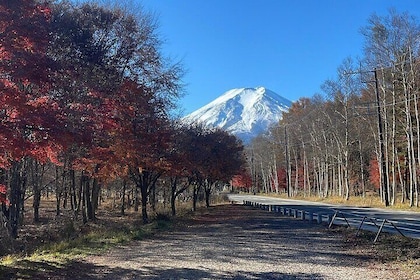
[288, 46]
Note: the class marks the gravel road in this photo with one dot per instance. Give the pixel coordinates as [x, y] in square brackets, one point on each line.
[237, 242]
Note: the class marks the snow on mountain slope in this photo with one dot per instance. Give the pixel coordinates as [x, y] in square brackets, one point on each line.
[244, 112]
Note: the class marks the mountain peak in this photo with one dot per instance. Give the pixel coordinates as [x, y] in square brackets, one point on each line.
[244, 112]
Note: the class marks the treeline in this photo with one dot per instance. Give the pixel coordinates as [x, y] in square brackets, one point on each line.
[362, 135]
[86, 102]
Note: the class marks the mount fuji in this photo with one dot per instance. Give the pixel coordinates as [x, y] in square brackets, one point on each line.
[244, 112]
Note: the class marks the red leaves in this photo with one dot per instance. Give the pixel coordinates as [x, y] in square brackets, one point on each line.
[60, 89]
[242, 181]
[3, 193]
[374, 176]
[44, 10]
[25, 36]
[29, 116]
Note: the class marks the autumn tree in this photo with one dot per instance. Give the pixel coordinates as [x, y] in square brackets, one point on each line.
[32, 125]
[222, 158]
[122, 88]
[182, 159]
[242, 181]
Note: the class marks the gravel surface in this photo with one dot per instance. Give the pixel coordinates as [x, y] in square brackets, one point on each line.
[237, 242]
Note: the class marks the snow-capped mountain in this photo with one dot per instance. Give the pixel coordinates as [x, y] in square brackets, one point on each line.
[244, 112]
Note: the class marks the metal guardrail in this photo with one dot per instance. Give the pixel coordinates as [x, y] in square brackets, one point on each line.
[380, 224]
[348, 219]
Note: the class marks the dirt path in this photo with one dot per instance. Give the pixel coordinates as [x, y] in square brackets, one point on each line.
[235, 242]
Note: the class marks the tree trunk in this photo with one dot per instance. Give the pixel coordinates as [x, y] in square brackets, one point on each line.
[96, 190]
[136, 199]
[207, 193]
[36, 201]
[196, 190]
[57, 193]
[173, 195]
[82, 199]
[88, 200]
[17, 185]
[144, 215]
[124, 186]
[73, 195]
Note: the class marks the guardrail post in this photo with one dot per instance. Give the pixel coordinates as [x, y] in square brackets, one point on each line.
[295, 213]
[379, 231]
[303, 215]
[319, 218]
[311, 216]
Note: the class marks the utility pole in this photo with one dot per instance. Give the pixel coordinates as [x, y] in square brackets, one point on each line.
[384, 177]
[286, 151]
[382, 162]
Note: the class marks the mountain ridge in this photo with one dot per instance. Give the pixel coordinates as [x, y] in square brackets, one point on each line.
[244, 112]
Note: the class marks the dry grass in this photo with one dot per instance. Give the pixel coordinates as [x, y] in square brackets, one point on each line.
[393, 250]
[369, 201]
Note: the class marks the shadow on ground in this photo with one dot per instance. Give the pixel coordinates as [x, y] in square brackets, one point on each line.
[83, 271]
[224, 242]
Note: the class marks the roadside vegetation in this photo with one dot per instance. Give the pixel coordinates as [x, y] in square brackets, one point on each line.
[373, 201]
[397, 251]
[359, 138]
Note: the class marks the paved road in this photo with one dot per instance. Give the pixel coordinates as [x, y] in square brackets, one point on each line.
[407, 222]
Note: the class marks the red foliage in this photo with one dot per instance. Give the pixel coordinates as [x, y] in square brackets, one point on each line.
[300, 176]
[30, 121]
[281, 173]
[3, 192]
[374, 177]
[242, 181]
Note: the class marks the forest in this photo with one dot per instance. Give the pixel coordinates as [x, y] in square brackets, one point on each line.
[359, 137]
[88, 114]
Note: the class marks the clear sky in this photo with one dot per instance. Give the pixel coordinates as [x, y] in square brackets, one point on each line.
[288, 46]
